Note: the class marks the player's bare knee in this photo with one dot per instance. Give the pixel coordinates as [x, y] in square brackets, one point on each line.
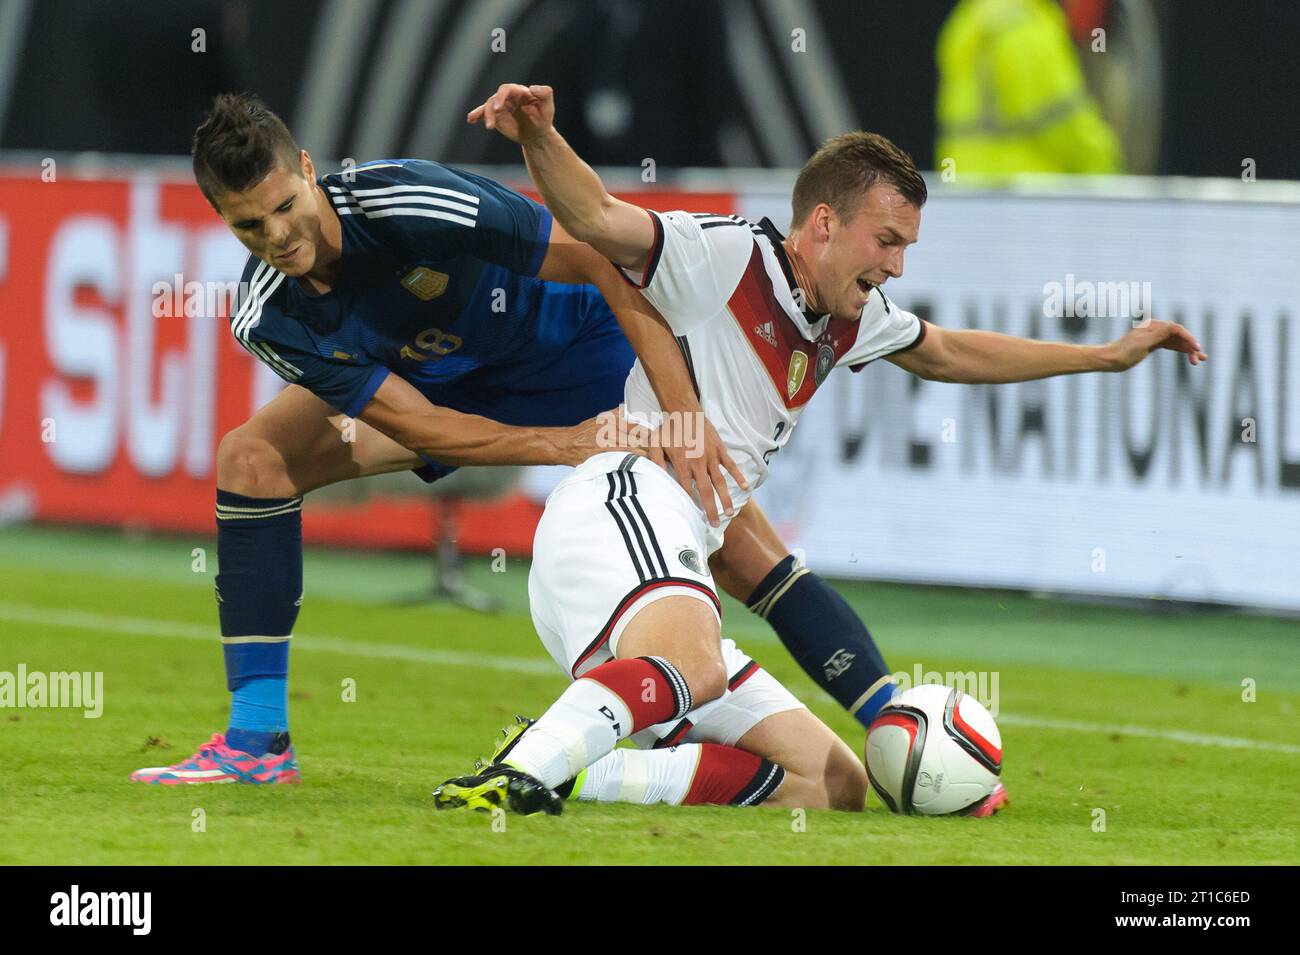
[837, 788]
[685, 632]
[248, 465]
[846, 787]
[707, 679]
[845, 779]
[700, 664]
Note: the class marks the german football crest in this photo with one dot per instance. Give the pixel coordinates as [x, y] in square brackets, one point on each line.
[825, 362]
[798, 368]
[691, 561]
[425, 284]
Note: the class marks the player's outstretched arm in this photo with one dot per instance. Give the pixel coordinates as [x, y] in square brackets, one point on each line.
[618, 230]
[978, 357]
[409, 418]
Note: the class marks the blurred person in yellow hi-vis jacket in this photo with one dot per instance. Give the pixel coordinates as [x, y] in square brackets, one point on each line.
[1012, 97]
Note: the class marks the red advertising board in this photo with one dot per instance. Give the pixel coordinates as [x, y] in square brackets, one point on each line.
[110, 413]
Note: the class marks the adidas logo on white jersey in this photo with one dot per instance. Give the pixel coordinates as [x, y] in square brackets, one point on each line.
[766, 332]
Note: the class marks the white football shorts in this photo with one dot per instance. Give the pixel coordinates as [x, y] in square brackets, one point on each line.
[618, 534]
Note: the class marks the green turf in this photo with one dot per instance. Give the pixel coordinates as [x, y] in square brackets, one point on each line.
[434, 685]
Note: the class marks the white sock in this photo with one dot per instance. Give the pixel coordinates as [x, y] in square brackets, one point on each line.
[584, 724]
[643, 776]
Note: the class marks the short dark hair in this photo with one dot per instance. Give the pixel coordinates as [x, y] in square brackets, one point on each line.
[846, 166]
[238, 143]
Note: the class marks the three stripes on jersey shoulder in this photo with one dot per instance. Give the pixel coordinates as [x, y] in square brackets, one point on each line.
[263, 285]
[430, 202]
[709, 220]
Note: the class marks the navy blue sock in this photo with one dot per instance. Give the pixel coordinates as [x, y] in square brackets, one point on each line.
[259, 590]
[825, 636]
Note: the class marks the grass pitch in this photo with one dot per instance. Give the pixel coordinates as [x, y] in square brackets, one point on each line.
[1139, 714]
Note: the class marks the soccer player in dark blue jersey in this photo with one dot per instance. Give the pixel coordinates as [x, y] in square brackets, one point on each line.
[418, 315]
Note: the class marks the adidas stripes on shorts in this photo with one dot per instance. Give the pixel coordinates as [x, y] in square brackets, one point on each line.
[618, 534]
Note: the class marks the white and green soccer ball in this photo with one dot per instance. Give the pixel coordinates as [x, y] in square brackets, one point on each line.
[933, 751]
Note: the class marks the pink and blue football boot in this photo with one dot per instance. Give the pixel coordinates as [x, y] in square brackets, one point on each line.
[215, 762]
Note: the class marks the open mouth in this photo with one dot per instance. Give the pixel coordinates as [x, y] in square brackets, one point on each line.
[865, 287]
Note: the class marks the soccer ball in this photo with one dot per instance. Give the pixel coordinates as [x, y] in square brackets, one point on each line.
[933, 751]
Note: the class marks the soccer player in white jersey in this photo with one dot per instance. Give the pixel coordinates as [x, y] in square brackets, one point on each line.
[620, 595]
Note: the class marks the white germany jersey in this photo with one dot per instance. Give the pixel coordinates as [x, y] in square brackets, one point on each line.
[726, 289]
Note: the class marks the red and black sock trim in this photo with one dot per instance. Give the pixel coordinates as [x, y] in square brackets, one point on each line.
[767, 779]
[679, 731]
[676, 682]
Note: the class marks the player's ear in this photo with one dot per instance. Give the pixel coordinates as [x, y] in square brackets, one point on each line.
[822, 215]
[306, 166]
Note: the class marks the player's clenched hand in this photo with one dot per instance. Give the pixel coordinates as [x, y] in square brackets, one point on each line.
[700, 462]
[1141, 341]
[520, 113]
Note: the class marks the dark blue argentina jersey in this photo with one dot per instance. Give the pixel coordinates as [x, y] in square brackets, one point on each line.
[436, 284]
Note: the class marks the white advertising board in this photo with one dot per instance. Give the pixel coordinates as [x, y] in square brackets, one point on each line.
[1168, 481]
